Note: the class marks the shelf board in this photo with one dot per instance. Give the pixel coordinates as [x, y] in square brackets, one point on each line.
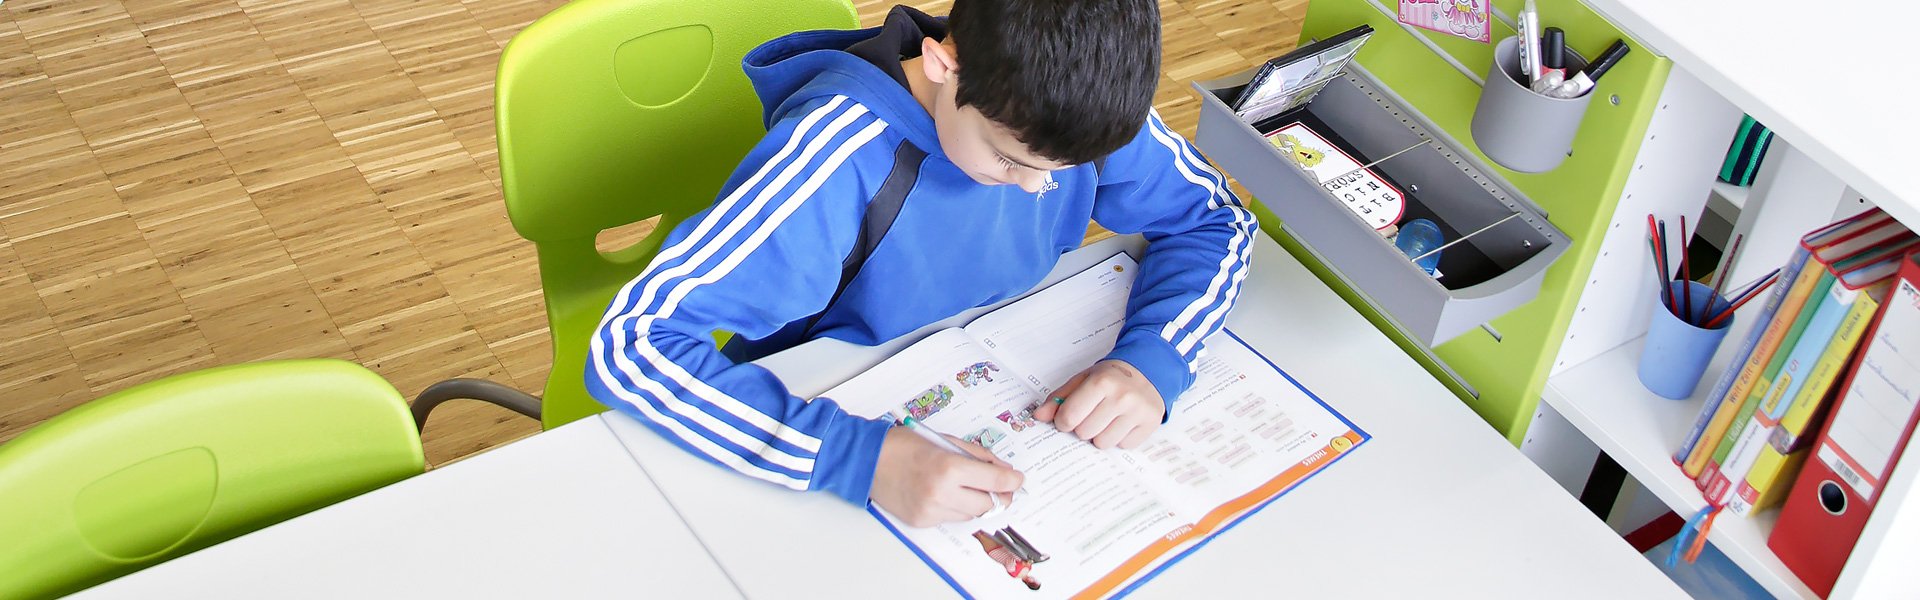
[1727, 200]
[1604, 399]
[1735, 195]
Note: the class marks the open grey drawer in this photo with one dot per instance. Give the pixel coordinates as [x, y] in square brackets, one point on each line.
[1490, 273]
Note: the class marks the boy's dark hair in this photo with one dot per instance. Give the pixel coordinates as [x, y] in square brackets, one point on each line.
[1073, 79]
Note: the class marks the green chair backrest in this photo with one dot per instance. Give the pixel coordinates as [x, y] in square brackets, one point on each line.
[165, 468]
[610, 112]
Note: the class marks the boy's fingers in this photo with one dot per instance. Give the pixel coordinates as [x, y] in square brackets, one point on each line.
[1118, 430]
[978, 451]
[969, 504]
[1104, 416]
[1138, 435]
[1078, 406]
[988, 477]
[1044, 412]
[1050, 407]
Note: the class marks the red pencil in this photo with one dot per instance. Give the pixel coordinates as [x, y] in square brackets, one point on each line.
[1666, 272]
[1726, 266]
[1744, 297]
[1686, 275]
[1659, 264]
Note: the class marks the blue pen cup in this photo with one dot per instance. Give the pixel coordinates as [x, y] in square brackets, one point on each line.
[1676, 351]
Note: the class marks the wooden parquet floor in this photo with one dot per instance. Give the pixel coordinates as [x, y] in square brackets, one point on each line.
[192, 183]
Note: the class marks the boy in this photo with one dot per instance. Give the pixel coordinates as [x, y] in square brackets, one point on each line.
[908, 174]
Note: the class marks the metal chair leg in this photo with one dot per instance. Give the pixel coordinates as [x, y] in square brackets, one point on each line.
[473, 389]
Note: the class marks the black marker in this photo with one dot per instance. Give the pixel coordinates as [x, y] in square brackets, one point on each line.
[1583, 82]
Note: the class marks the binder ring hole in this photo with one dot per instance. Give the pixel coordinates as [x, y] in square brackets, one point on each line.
[1832, 498]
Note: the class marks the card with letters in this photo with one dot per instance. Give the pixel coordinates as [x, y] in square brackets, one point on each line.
[1361, 190]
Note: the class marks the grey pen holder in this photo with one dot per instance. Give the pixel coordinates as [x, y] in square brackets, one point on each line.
[1519, 129]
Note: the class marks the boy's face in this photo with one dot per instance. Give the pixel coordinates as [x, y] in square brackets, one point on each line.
[983, 149]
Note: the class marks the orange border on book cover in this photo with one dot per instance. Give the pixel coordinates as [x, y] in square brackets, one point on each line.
[1221, 515]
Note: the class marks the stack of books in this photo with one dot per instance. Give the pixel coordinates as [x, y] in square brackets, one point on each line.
[1832, 341]
[1756, 426]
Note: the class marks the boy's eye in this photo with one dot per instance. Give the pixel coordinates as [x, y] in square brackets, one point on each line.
[1004, 162]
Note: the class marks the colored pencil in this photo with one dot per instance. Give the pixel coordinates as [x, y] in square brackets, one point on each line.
[1666, 271]
[1659, 264]
[1726, 266]
[1686, 276]
[1658, 280]
[1744, 297]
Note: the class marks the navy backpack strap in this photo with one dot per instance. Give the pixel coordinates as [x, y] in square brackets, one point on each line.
[881, 213]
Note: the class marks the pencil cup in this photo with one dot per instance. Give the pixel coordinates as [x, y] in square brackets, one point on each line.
[1677, 352]
[1519, 129]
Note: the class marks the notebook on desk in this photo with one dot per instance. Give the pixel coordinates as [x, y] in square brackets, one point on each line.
[1095, 523]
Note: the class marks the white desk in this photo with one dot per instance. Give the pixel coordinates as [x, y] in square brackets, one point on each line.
[563, 514]
[1436, 504]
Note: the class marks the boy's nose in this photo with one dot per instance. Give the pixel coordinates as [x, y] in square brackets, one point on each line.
[1032, 182]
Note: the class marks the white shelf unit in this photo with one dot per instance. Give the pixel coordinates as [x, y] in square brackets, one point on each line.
[1603, 398]
[1594, 383]
[1728, 200]
[1734, 195]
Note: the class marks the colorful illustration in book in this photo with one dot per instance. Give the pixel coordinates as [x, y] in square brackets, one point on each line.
[980, 371]
[1300, 154]
[1013, 552]
[1019, 421]
[929, 402]
[986, 437]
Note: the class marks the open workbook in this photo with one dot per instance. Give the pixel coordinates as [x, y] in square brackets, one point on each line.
[1090, 522]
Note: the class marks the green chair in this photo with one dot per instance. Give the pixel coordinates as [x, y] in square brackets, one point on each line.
[611, 112]
[171, 466]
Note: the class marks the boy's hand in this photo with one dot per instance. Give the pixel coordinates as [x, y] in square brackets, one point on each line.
[925, 485]
[1110, 404]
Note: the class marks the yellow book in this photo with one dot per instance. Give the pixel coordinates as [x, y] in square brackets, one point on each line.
[1767, 482]
[1774, 470]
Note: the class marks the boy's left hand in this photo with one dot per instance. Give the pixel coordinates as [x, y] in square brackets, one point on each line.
[1110, 404]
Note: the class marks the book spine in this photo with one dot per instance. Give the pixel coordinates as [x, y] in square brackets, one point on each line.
[1719, 394]
[1745, 461]
[1734, 405]
[1821, 379]
[1767, 481]
[1821, 333]
[1794, 314]
[1739, 460]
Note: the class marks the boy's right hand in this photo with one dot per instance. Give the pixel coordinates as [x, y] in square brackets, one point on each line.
[925, 485]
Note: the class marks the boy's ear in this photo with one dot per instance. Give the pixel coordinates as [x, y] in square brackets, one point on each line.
[938, 60]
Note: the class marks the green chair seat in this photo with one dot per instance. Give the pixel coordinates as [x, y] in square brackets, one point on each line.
[165, 468]
[611, 112]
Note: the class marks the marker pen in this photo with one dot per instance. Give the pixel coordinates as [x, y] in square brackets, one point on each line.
[1580, 83]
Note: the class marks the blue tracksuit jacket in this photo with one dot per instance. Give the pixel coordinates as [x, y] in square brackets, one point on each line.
[765, 259]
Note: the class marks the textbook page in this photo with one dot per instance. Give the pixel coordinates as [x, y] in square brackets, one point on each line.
[1086, 511]
[1055, 333]
[1241, 423]
[1241, 435]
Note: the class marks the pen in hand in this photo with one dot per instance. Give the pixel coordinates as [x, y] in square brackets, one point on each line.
[943, 443]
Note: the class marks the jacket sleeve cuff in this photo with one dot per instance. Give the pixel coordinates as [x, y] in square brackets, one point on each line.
[848, 454]
[1163, 366]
